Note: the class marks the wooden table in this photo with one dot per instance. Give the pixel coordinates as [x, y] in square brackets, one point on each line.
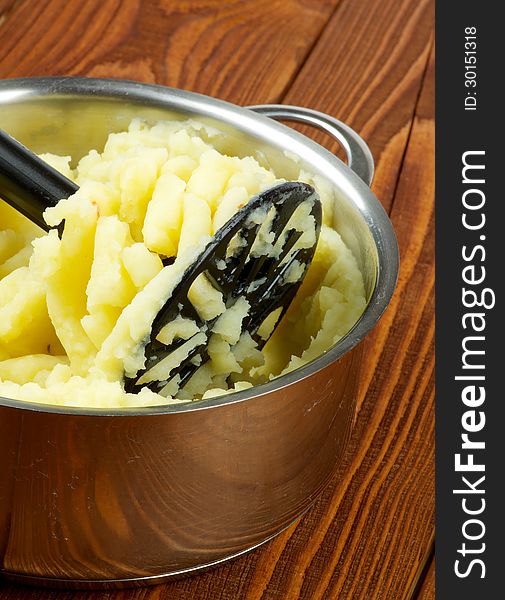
[370, 63]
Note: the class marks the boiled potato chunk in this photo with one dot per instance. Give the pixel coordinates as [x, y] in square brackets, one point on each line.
[239, 386]
[60, 163]
[229, 324]
[181, 166]
[109, 282]
[30, 366]
[137, 179]
[209, 179]
[233, 200]
[197, 222]
[25, 327]
[223, 361]
[251, 176]
[140, 264]
[99, 324]
[66, 286]
[162, 225]
[182, 144]
[20, 259]
[197, 227]
[178, 328]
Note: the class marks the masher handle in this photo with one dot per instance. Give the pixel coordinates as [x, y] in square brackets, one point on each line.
[28, 183]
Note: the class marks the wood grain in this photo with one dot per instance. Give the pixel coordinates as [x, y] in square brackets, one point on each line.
[365, 62]
[236, 50]
[6, 6]
[366, 70]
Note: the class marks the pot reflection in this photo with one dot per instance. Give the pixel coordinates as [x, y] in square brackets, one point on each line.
[111, 497]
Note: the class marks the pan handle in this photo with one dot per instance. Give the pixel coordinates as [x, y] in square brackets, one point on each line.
[359, 157]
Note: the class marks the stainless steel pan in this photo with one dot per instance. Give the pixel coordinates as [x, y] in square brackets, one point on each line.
[94, 498]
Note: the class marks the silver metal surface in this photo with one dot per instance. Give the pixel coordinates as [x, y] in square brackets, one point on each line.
[359, 157]
[97, 497]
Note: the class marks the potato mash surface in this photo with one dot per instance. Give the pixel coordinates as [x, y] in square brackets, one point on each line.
[76, 311]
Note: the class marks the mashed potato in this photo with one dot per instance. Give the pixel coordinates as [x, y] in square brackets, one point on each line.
[75, 312]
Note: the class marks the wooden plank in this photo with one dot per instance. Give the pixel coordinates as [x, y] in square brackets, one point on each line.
[401, 385]
[427, 589]
[6, 7]
[366, 70]
[242, 51]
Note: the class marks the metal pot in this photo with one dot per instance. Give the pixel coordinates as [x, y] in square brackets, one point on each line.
[95, 498]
